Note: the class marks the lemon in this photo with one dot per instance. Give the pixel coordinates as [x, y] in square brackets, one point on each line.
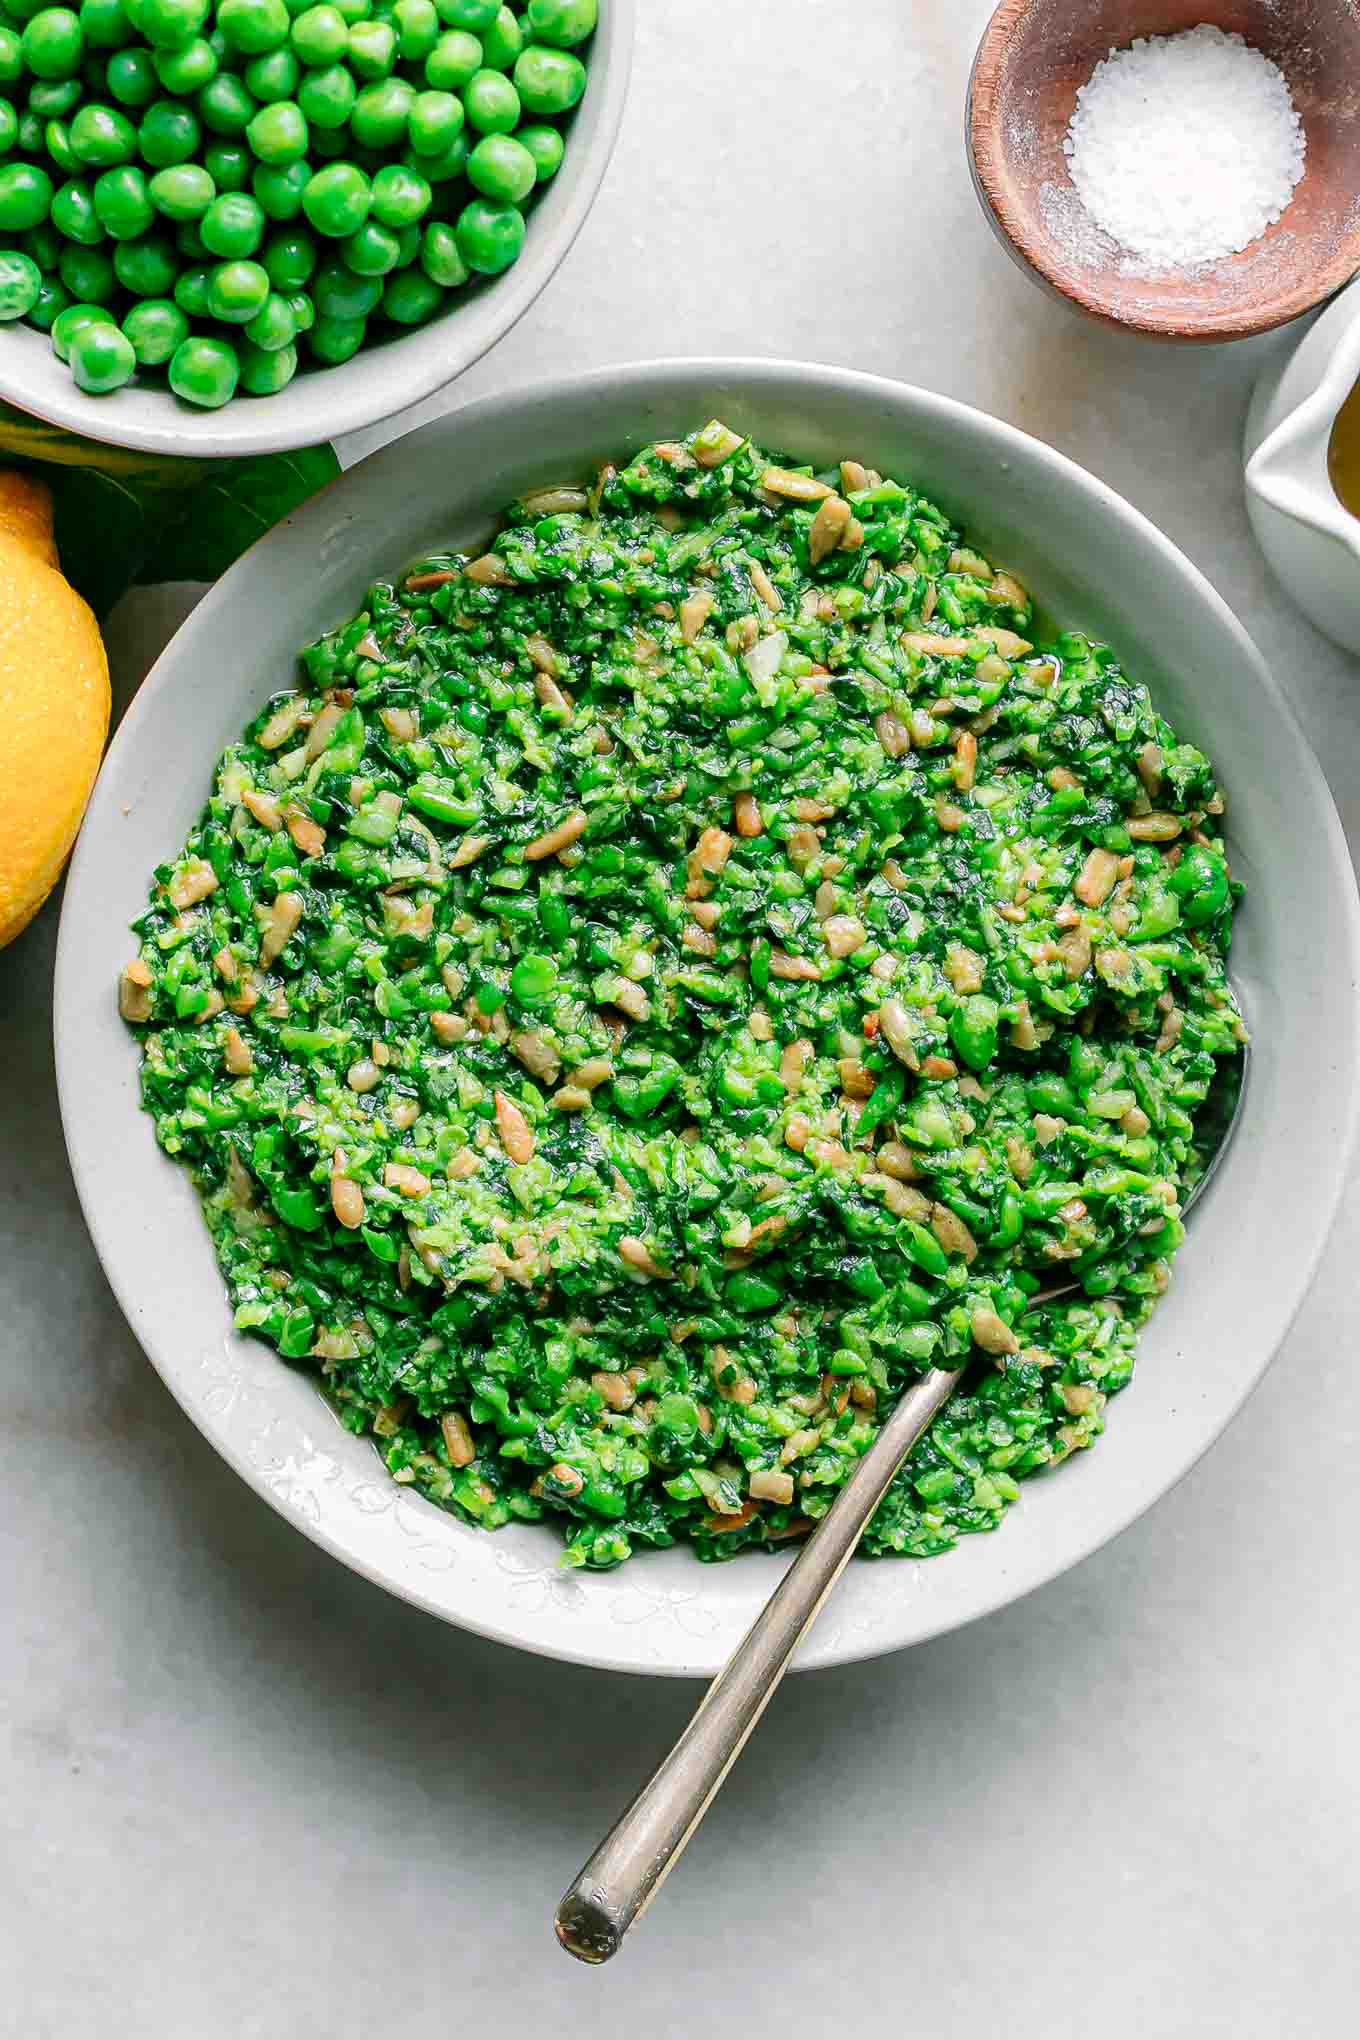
[54, 704]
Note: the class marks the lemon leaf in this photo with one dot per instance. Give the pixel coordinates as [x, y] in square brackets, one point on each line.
[122, 516]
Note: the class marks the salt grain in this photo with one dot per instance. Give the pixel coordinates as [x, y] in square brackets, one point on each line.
[1186, 147]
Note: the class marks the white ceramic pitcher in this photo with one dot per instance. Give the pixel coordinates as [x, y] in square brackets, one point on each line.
[1310, 539]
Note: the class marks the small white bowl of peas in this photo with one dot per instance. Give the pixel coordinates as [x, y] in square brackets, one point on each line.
[240, 226]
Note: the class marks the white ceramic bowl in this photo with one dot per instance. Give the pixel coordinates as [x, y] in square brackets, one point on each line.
[1309, 537]
[1096, 562]
[321, 404]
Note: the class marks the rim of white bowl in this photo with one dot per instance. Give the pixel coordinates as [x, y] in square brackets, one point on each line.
[1020, 1569]
[394, 375]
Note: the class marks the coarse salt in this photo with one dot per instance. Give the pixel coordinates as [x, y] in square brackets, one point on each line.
[1185, 147]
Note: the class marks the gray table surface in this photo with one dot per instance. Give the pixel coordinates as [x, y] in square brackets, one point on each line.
[245, 1794]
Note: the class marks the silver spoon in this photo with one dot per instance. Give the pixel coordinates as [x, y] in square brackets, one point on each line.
[626, 1871]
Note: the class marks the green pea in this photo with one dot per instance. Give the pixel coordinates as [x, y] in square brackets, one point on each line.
[183, 192]
[70, 321]
[278, 133]
[266, 371]
[548, 81]
[43, 243]
[303, 310]
[973, 1030]
[289, 260]
[9, 127]
[502, 168]
[400, 196]
[131, 78]
[169, 134]
[102, 137]
[274, 325]
[441, 169]
[273, 77]
[229, 164]
[502, 42]
[236, 291]
[204, 372]
[411, 297]
[186, 70]
[562, 22]
[336, 200]
[372, 49]
[88, 274]
[492, 103]
[455, 58]
[52, 300]
[474, 15]
[54, 98]
[279, 188]
[408, 245]
[253, 26]
[101, 358]
[20, 284]
[320, 36]
[1053, 1096]
[233, 225]
[155, 327]
[11, 56]
[373, 251]
[439, 256]
[417, 26]
[489, 236]
[380, 113]
[53, 43]
[1200, 882]
[225, 106]
[354, 10]
[30, 136]
[534, 980]
[122, 203]
[327, 97]
[547, 148]
[336, 340]
[146, 268]
[104, 25]
[167, 24]
[74, 216]
[433, 121]
[191, 291]
[339, 293]
[58, 142]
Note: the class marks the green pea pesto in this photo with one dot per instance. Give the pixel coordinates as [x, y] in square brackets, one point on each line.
[657, 986]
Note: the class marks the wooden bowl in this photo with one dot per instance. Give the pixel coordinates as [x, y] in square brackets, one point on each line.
[1034, 57]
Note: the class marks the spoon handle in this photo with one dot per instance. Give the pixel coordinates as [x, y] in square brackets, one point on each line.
[626, 1871]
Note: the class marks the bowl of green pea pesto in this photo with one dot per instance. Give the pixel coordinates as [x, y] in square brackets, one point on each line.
[694, 895]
